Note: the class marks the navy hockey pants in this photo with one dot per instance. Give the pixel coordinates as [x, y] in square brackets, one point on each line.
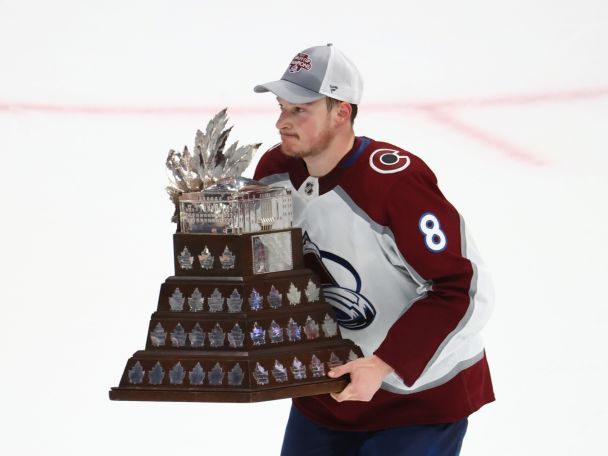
[306, 438]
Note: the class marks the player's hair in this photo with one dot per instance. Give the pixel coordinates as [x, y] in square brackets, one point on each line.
[331, 102]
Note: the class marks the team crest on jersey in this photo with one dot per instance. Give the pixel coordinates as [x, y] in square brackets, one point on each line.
[388, 161]
[300, 62]
[353, 310]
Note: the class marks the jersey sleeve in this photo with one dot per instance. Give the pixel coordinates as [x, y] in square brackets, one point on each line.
[430, 236]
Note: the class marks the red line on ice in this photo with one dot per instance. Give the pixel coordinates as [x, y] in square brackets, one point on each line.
[562, 96]
[440, 111]
[505, 147]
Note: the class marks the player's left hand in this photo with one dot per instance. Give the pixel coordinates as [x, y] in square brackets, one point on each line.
[366, 375]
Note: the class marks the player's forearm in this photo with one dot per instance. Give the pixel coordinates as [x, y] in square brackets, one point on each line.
[418, 335]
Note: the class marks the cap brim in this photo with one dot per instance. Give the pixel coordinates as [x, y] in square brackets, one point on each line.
[289, 91]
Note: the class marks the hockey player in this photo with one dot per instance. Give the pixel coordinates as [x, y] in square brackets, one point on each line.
[403, 275]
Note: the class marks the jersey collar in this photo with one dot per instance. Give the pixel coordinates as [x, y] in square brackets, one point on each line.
[298, 172]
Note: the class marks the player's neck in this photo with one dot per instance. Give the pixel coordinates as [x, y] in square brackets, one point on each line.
[320, 164]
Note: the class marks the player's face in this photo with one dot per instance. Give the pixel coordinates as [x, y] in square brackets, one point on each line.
[305, 129]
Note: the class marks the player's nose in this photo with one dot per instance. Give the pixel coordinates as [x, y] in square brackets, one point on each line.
[281, 121]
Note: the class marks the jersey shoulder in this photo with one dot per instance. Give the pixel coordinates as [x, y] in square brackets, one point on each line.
[385, 179]
[274, 161]
[387, 164]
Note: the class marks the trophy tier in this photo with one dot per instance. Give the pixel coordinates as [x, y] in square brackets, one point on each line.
[240, 255]
[239, 376]
[242, 320]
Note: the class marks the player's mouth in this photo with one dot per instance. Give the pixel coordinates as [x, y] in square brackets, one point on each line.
[288, 135]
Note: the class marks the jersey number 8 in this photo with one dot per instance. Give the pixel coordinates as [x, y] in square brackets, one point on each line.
[434, 237]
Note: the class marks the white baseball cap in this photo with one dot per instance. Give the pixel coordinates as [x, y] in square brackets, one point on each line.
[317, 72]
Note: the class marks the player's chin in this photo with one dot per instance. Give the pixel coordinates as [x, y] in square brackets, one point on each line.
[291, 151]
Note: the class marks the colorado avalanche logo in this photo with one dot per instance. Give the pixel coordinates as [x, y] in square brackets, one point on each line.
[353, 310]
[387, 161]
[300, 62]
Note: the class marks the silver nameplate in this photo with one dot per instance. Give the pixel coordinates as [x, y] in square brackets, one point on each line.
[176, 301]
[293, 330]
[158, 336]
[197, 336]
[255, 300]
[298, 369]
[215, 301]
[276, 333]
[156, 375]
[258, 334]
[236, 336]
[311, 328]
[227, 259]
[216, 375]
[195, 301]
[294, 295]
[136, 374]
[329, 326]
[217, 336]
[235, 376]
[271, 252]
[206, 259]
[279, 372]
[177, 374]
[184, 259]
[178, 336]
[235, 301]
[317, 367]
[275, 299]
[260, 375]
[312, 291]
[197, 375]
[334, 361]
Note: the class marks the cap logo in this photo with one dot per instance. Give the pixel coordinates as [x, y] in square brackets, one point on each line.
[300, 62]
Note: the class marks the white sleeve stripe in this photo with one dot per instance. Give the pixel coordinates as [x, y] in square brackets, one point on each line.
[458, 368]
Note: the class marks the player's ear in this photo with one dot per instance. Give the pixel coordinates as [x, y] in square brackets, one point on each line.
[343, 113]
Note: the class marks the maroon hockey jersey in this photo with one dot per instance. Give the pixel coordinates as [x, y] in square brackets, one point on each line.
[404, 277]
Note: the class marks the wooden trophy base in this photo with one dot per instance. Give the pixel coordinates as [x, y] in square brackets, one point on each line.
[324, 386]
[247, 376]
[229, 329]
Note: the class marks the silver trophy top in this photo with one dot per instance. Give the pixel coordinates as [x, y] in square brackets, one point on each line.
[211, 196]
[232, 189]
[235, 205]
[209, 162]
[236, 184]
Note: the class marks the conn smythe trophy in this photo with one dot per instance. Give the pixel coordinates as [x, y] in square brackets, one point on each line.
[241, 320]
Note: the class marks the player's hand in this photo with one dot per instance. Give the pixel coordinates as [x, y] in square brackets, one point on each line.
[366, 375]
